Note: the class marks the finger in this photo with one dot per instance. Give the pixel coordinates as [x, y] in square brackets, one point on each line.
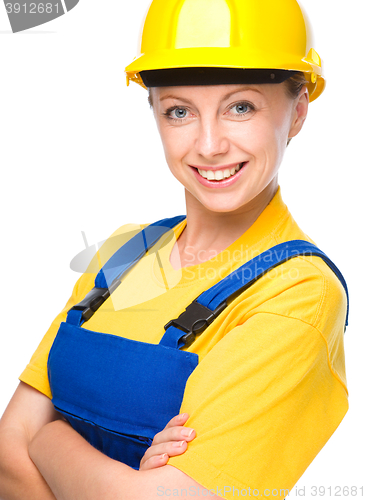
[165, 435]
[154, 455]
[174, 434]
[178, 420]
[173, 448]
[154, 462]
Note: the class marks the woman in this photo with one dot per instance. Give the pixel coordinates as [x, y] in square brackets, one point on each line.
[270, 386]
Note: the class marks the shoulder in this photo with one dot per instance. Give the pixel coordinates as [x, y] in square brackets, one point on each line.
[305, 291]
[102, 251]
[95, 257]
[303, 288]
[316, 291]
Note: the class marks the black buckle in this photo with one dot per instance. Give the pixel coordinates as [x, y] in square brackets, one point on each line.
[94, 299]
[194, 320]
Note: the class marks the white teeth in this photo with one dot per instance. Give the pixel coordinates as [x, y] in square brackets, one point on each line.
[219, 175]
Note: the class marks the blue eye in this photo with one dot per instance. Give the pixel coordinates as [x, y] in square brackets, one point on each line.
[176, 113]
[180, 113]
[241, 108]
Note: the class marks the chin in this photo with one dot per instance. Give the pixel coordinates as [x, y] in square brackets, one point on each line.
[226, 206]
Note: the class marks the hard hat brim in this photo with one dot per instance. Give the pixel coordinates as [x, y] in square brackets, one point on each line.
[219, 57]
[212, 76]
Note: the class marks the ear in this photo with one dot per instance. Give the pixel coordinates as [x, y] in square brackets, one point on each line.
[299, 112]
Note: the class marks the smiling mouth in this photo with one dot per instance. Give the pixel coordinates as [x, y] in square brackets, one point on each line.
[219, 175]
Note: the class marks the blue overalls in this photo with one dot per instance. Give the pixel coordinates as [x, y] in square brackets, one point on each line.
[118, 393]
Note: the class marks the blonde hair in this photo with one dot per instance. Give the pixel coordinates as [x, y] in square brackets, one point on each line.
[294, 86]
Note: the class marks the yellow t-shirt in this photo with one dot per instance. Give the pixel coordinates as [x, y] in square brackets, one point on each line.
[270, 387]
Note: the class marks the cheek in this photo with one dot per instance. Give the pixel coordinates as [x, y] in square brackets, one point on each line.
[271, 134]
[176, 141]
[282, 121]
[257, 137]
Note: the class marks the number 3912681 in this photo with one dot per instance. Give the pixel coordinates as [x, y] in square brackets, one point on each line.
[32, 8]
[336, 491]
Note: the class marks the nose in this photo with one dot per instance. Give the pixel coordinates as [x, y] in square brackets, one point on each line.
[211, 140]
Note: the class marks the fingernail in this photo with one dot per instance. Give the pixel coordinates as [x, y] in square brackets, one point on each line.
[187, 432]
[164, 456]
[183, 415]
[178, 444]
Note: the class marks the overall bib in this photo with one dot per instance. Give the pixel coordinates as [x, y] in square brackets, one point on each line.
[118, 393]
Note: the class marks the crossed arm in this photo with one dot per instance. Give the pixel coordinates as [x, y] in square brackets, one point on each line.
[42, 457]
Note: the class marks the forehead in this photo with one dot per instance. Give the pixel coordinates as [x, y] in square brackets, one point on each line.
[217, 92]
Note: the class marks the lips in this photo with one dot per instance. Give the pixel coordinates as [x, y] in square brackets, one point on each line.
[220, 173]
[219, 177]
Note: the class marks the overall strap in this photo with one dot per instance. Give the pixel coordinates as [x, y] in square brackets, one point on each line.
[205, 308]
[109, 276]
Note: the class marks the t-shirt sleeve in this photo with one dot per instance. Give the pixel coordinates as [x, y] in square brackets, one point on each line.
[35, 373]
[263, 402]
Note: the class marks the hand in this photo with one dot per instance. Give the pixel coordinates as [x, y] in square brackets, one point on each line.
[170, 442]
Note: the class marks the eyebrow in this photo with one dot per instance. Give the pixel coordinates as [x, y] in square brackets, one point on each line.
[172, 96]
[227, 96]
[242, 89]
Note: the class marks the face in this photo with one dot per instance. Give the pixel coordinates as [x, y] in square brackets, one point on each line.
[225, 143]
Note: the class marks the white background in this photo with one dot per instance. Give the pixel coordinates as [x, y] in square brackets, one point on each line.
[80, 152]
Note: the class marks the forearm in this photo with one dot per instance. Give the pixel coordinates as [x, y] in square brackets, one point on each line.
[75, 470]
[19, 477]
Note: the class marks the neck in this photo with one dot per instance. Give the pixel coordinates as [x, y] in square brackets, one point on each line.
[208, 233]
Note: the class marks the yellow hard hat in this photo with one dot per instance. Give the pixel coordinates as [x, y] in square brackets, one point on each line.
[238, 34]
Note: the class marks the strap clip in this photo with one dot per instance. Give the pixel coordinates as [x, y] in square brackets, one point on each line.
[194, 320]
[94, 299]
